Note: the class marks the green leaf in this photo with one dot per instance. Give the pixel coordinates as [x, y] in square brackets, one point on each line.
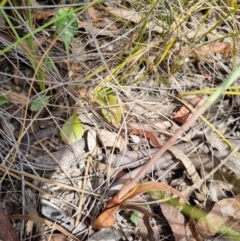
[112, 111]
[3, 100]
[134, 217]
[66, 25]
[39, 102]
[72, 130]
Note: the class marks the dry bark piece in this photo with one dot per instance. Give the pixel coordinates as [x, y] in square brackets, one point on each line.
[7, 232]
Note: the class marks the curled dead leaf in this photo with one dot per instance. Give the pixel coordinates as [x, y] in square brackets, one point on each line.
[145, 133]
[182, 115]
[212, 48]
[15, 97]
[111, 139]
[106, 219]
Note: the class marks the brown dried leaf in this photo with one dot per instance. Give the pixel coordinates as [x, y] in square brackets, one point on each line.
[106, 218]
[45, 14]
[15, 97]
[131, 15]
[7, 232]
[145, 133]
[126, 14]
[224, 214]
[94, 14]
[111, 139]
[191, 227]
[176, 221]
[55, 237]
[190, 168]
[183, 114]
[213, 48]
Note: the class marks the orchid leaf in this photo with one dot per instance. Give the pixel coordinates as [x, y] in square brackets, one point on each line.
[40, 102]
[134, 217]
[111, 107]
[72, 130]
[66, 25]
[3, 100]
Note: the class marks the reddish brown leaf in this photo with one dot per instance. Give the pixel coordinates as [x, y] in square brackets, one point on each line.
[121, 174]
[145, 133]
[7, 232]
[106, 219]
[182, 115]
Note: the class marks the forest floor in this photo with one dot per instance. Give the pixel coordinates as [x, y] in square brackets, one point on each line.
[90, 91]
